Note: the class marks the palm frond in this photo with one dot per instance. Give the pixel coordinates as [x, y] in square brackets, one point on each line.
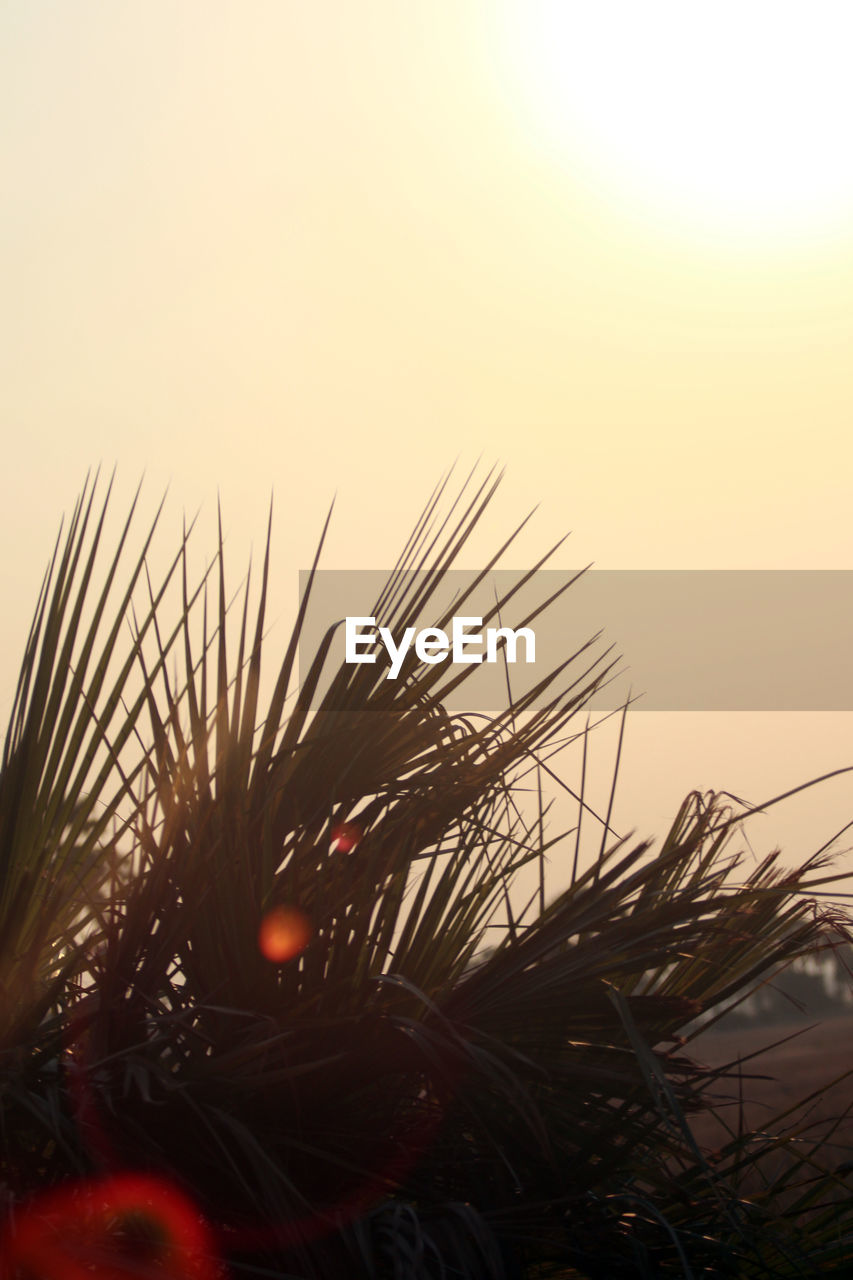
[432, 1080]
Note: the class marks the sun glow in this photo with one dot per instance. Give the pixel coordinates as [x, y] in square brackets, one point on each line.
[734, 115]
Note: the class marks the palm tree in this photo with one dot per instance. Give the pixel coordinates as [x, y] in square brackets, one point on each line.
[265, 953]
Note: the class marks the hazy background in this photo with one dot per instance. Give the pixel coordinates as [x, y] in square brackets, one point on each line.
[326, 248]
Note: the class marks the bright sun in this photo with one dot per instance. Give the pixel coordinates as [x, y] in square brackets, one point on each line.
[728, 115]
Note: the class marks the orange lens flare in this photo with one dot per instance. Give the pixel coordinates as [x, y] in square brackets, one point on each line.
[284, 932]
[345, 836]
[123, 1227]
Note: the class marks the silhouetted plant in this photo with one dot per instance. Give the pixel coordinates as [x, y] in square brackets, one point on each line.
[372, 1091]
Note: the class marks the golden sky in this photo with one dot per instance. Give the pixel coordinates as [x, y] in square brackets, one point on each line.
[329, 247]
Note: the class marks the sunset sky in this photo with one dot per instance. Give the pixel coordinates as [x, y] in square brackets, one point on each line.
[327, 248]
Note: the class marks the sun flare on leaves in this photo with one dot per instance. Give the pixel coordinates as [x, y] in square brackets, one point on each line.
[345, 837]
[731, 118]
[284, 933]
[131, 1225]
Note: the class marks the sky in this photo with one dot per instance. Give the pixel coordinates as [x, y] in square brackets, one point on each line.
[324, 250]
